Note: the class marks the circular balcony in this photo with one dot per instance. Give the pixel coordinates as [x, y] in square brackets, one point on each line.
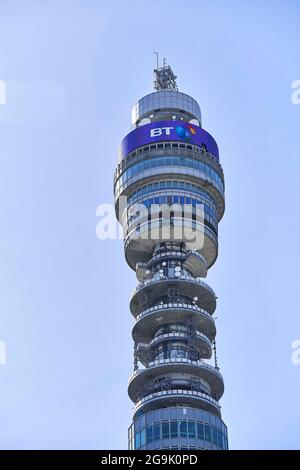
[151, 318]
[192, 260]
[180, 365]
[140, 242]
[177, 397]
[155, 288]
[200, 341]
[196, 263]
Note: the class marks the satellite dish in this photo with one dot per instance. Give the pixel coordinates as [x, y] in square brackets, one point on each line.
[195, 122]
[144, 121]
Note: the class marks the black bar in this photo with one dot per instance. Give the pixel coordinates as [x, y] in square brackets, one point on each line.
[134, 459]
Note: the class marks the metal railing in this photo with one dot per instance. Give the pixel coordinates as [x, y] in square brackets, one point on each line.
[162, 277]
[180, 392]
[174, 305]
[178, 360]
[178, 334]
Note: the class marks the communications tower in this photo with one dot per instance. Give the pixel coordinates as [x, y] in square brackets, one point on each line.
[169, 198]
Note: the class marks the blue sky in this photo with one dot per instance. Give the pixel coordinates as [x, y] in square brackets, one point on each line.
[73, 70]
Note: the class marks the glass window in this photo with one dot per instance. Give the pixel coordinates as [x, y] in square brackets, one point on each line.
[137, 425]
[200, 431]
[137, 440]
[143, 437]
[156, 432]
[214, 436]
[149, 434]
[165, 430]
[182, 161]
[174, 432]
[220, 440]
[207, 432]
[183, 428]
[149, 418]
[191, 429]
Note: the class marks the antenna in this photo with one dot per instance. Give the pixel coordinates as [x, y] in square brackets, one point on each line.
[156, 53]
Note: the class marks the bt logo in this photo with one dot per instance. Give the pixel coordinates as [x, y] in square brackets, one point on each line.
[184, 132]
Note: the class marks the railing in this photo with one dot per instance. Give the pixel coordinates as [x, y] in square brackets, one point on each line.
[183, 277]
[178, 334]
[174, 305]
[166, 254]
[178, 360]
[179, 254]
[191, 393]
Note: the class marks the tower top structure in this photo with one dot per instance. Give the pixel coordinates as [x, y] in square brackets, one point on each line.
[164, 77]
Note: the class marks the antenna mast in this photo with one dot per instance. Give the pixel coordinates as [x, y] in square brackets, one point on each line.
[164, 77]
